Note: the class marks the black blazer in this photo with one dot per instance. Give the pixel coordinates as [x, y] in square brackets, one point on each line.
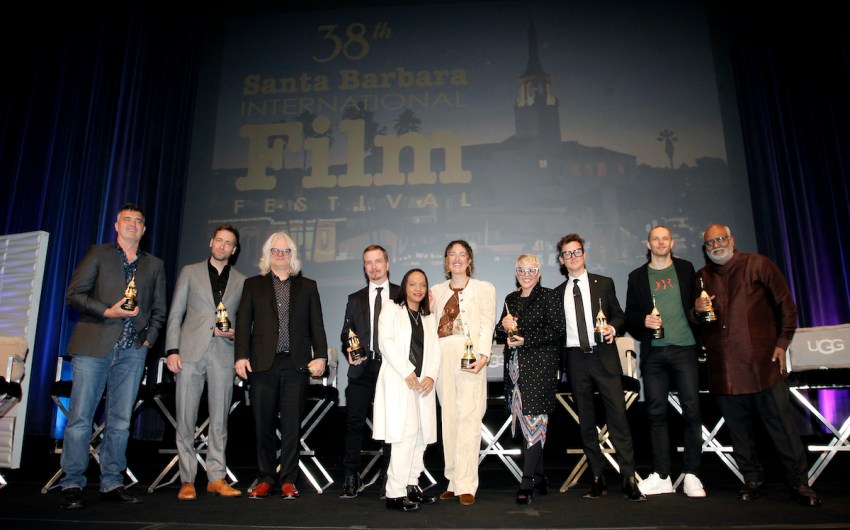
[601, 287]
[257, 325]
[97, 284]
[357, 318]
[639, 301]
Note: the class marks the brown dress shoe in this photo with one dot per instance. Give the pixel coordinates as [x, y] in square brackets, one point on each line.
[446, 495]
[467, 499]
[187, 492]
[220, 487]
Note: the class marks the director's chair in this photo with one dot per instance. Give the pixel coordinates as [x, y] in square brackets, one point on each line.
[163, 395]
[60, 393]
[631, 392]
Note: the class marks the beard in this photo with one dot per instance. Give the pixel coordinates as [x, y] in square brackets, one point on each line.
[720, 255]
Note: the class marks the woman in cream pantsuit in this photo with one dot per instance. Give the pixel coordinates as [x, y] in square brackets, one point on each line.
[465, 308]
[405, 410]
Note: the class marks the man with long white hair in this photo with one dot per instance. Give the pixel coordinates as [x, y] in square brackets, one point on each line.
[280, 344]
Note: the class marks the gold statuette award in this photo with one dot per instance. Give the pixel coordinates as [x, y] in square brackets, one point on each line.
[355, 350]
[657, 333]
[130, 295]
[468, 355]
[709, 315]
[513, 329]
[221, 320]
[601, 324]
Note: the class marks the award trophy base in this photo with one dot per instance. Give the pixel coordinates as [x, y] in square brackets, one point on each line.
[599, 337]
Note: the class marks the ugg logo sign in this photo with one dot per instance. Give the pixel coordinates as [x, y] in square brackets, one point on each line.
[826, 346]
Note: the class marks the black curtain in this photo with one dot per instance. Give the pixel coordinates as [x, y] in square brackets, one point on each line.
[97, 111]
[791, 72]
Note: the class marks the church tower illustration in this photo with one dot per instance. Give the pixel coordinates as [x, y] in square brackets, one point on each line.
[536, 109]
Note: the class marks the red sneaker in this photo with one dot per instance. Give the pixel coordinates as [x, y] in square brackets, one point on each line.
[263, 489]
[289, 491]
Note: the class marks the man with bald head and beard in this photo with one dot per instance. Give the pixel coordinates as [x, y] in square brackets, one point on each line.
[756, 320]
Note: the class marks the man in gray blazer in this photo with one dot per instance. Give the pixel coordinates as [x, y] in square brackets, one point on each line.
[109, 346]
[200, 350]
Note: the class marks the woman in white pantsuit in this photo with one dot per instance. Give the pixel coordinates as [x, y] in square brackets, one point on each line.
[465, 309]
[405, 411]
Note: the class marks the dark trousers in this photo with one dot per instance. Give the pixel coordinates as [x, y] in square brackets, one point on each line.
[532, 464]
[277, 399]
[660, 367]
[773, 407]
[359, 396]
[586, 371]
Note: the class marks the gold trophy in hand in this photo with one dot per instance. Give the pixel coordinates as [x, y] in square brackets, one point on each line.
[130, 295]
[601, 324]
[657, 333]
[513, 329]
[468, 355]
[355, 350]
[708, 315]
[222, 322]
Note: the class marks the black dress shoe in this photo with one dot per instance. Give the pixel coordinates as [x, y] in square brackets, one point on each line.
[751, 490]
[120, 496]
[541, 486]
[805, 496]
[72, 499]
[351, 485]
[415, 494]
[524, 496]
[401, 504]
[631, 490]
[597, 489]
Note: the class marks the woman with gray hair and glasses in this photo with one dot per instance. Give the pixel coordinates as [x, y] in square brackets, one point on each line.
[530, 330]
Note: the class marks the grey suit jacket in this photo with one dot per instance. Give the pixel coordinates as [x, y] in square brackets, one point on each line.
[192, 316]
[97, 284]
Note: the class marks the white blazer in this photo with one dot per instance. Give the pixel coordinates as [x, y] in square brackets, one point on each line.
[391, 392]
[477, 311]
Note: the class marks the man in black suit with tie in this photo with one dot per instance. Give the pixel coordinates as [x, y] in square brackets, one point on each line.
[592, 364]
[280, 344]
[361, 317]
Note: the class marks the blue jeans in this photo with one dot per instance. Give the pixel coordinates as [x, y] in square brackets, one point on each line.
[120, 372]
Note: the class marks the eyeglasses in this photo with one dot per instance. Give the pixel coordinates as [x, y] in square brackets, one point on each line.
[717, 241]
[527, 271]
[281, 251]
[567, 254]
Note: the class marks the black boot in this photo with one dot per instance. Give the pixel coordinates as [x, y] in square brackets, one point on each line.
[401, 504]
[351, 485]
[541, 485]
[415, 494]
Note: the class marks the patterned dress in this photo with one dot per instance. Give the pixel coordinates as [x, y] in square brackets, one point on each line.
[531, 370]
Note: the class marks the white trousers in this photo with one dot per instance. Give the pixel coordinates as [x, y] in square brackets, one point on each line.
[407, 456]
[463, 401]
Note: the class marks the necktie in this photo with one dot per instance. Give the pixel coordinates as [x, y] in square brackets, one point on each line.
[581, 323]
[377, 312]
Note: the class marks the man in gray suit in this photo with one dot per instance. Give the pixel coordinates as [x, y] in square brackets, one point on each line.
[199, 350]
[109, 346]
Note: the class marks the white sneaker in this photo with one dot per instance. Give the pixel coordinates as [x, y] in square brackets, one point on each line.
[655, 485]
[693, 486]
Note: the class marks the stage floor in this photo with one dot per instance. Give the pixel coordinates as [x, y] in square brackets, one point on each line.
[22, 505]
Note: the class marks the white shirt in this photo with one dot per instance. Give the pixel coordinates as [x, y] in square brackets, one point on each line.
[385, 296]
[570, 310]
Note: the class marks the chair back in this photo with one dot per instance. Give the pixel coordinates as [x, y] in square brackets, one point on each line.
[13, 355]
